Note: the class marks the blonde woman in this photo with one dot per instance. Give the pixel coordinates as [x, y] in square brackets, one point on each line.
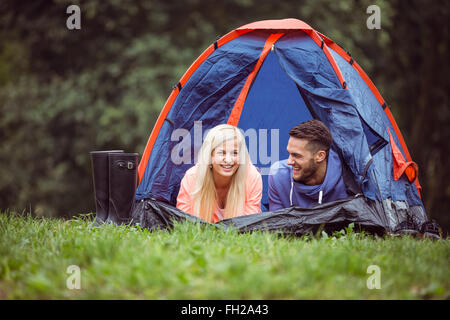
[224, 183]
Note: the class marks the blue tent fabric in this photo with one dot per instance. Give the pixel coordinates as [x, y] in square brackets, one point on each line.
[208, 96]
[371, 111]
[275, 97]
[295, 83]
[332, 104]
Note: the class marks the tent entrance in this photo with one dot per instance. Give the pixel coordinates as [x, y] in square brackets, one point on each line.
[276, 100]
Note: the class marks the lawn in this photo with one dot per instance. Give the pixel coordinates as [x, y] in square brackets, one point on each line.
[194, 261]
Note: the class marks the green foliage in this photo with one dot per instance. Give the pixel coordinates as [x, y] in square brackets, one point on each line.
[197, 261]
[49, 130]
[419, 93]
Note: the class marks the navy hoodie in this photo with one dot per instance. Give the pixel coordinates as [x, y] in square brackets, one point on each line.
[281, 182]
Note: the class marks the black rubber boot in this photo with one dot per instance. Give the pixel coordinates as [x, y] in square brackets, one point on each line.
[100, 174]
[122, 186]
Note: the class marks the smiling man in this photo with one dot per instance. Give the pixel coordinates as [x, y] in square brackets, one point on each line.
[313, 172]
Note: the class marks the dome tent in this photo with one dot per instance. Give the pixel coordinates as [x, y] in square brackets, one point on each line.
[269, 76]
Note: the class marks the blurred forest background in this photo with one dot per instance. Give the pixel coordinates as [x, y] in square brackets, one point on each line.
[65, 92]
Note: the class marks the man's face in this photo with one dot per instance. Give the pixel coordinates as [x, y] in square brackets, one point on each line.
[301, 159]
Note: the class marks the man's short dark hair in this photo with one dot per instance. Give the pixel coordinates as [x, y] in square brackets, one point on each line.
[316, 132]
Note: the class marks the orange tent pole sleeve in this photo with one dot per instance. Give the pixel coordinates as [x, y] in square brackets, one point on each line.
[403, 144]
[409, 168]
[321, 43]
[356, 66]
[239, 104]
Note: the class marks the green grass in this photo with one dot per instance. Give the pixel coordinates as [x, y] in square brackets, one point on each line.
[200, 262]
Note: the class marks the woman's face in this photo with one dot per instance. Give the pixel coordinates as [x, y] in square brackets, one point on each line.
[225, 158]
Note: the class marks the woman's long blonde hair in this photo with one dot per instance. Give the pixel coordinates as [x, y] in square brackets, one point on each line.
[205, 195]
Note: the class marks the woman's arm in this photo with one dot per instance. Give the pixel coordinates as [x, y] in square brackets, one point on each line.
[184, 198]
[254, 193]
